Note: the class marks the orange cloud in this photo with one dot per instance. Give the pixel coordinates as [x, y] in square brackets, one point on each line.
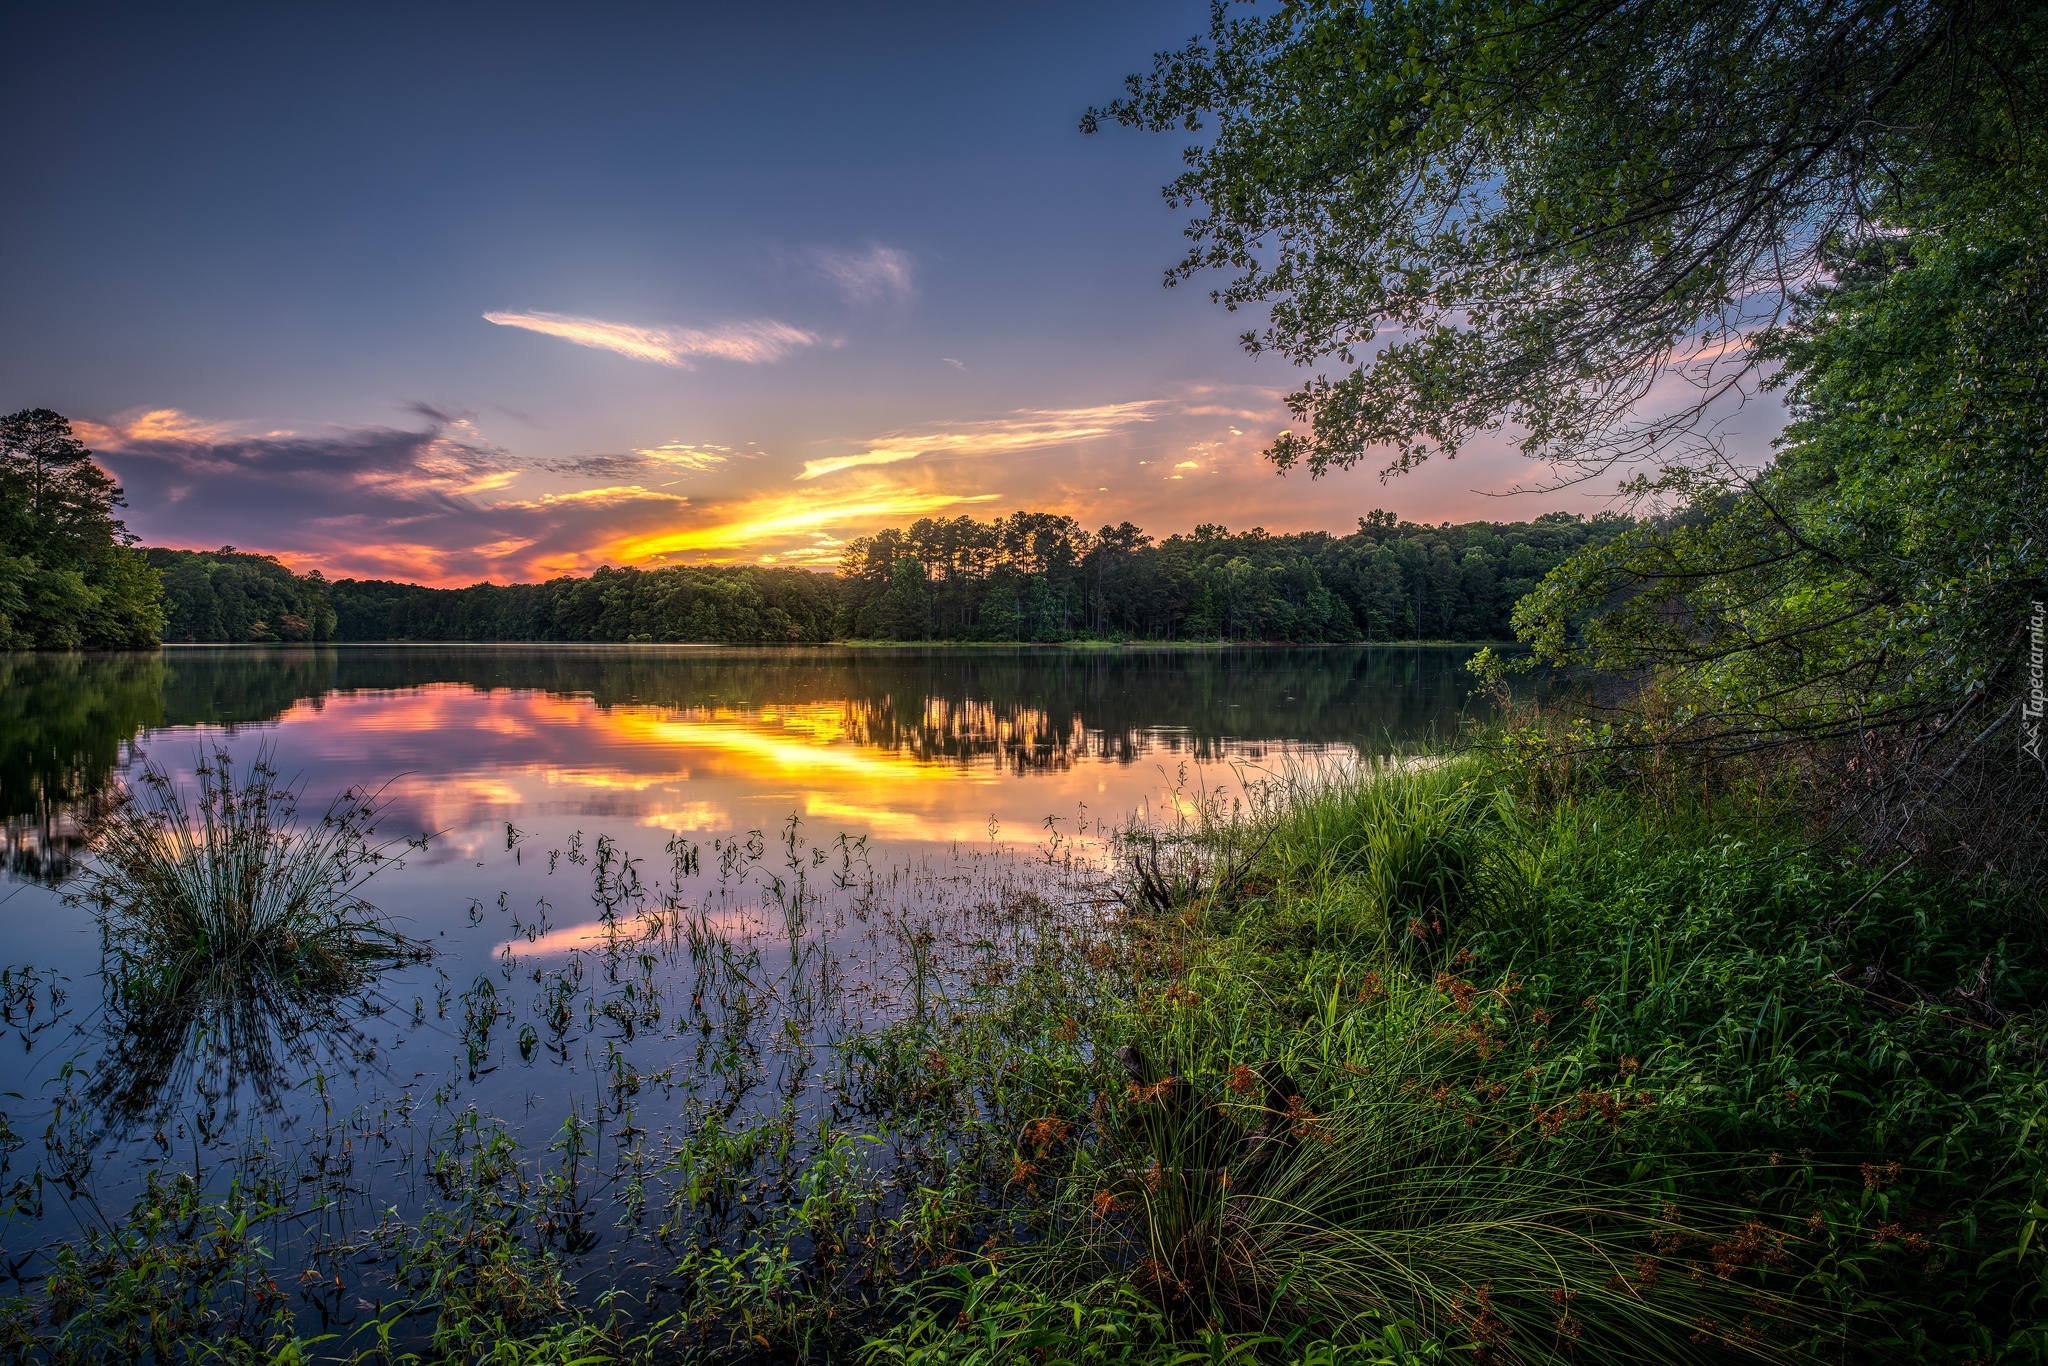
[782, 516]
[158, 424]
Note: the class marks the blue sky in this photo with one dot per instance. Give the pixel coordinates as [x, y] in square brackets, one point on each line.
[455, 293]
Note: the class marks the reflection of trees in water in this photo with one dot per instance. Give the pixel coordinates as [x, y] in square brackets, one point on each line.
[1033, 708]
[964, 730]
[67, 721]
[68, 724]
[239, 1030]
[1043, 710]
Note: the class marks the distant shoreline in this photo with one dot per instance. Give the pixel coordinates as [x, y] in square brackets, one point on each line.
[1100, 646]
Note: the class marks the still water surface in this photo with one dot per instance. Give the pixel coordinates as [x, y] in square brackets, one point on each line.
[868, 787]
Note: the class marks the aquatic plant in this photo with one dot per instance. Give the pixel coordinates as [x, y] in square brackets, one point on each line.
[1663, 1088]
[188, 888]
[233, 934]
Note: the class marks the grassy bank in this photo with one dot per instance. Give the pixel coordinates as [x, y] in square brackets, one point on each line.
[1441, 1063]
[1584, 1078]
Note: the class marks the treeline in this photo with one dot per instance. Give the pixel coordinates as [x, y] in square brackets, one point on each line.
[745, 605]
[70, 578]
[1040, 576]
[1030, 576]
[226, 595]
[1033, 576]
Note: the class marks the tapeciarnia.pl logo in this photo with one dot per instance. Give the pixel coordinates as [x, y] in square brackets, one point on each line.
[2030, 710]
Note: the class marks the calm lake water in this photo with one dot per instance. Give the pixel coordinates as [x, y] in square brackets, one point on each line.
[626, 845]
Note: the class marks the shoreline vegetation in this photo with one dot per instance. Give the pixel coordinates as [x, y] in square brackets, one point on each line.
[1528, 1054]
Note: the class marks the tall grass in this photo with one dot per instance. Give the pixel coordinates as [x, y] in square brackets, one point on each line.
[185, 885]
[1423, 1062]
[229, 923]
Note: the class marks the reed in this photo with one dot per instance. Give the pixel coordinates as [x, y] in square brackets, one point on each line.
[228, 879]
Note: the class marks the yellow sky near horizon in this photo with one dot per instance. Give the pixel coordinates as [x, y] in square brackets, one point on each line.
[449, 503]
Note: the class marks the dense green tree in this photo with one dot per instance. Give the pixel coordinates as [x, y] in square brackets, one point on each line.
[1886, 568]
[1524, 212]
[1522, 215]
[227, 595]
[712, 604]
[1038, 577]
[1028, 577]
[69, 578]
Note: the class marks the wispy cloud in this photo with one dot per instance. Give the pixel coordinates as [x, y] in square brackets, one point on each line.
[681, 455]
[433, 505]
[814, 469]
[158, 424]
[1025, 430]
[877, 274]
[611, 496]
[671, 457]
[445, 505]
[439, 501]
[756, 342]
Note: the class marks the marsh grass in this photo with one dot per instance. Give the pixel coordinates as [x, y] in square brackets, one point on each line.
[233, 932]
[1453, 1068]
[1222, 1103]
[227, 880]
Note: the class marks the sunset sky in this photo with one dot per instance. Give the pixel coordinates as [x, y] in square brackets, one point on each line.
[499, 293]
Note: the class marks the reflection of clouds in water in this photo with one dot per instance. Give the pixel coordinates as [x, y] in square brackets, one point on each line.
[907, 826]
[919, 769]
[690, 817]
[632, 932]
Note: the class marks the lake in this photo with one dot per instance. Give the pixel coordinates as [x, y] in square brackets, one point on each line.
[657, 883]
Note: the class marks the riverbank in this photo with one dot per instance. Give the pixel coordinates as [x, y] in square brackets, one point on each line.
[1497, 1058]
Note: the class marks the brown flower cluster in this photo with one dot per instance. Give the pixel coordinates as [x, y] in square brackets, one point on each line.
[1487, 1329]
[1461, 992]
[1040, 1135]
[1894, 1233]
[1609, 1106]
[1306, 1123]
[1753, 1244]
[1145, 1095]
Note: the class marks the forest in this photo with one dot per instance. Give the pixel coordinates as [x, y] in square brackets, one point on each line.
[71, 577]
[1032, 576]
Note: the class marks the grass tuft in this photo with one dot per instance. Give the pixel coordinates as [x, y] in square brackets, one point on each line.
[186, 887]
[232, 934]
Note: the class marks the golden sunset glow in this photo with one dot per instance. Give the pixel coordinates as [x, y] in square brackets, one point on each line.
[784, 515]
[924, 771]
[447, 503]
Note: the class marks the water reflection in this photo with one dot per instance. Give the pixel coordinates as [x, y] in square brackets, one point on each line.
[488, 731]
[66, 722]
[240, 1031]
[666, 884]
